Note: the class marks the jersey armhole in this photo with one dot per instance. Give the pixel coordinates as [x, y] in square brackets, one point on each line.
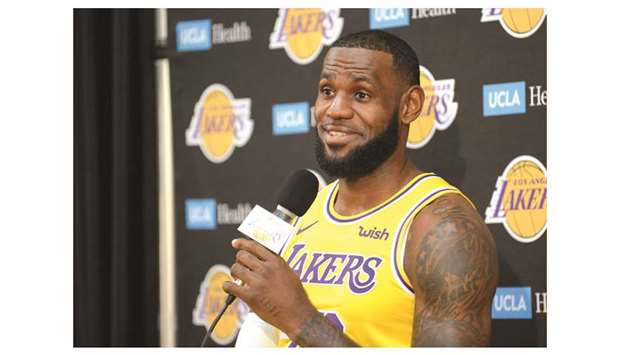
[398, 248]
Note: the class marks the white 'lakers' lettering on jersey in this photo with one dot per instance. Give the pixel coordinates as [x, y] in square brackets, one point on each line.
[352, 266]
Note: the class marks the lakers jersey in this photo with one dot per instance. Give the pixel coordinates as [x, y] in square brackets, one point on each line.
[352, 266]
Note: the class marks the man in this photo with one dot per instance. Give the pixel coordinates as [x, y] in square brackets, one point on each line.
[387, 255]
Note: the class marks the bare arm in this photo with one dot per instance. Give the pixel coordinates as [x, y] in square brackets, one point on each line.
[318, 331]
[274, 292]
[452, 262]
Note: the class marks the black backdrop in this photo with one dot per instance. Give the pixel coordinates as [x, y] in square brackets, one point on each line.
[115, 287]
[471, 153]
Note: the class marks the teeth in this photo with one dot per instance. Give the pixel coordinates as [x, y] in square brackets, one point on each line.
[337, 134]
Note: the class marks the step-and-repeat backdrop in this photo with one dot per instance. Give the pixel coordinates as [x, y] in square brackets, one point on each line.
[244, 82]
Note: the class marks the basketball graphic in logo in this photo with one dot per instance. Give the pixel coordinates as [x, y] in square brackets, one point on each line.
[518, 22]
[210, 302]
[520, 199]
[438, 112]
[303, 32]
[220, 123]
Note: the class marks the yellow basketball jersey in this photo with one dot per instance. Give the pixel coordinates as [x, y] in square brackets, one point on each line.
[352, 266]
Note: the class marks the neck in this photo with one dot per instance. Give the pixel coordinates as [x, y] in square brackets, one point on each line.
[358, 195]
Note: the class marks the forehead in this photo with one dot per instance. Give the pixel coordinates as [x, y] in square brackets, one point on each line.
[376, 64]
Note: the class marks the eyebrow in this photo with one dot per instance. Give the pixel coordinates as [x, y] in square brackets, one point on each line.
[326, 75]
[356, 78]
[364, 78]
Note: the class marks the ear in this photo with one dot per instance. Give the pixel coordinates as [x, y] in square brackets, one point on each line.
[412, 102]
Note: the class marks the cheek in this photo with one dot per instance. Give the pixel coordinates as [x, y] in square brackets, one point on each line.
[320, 107]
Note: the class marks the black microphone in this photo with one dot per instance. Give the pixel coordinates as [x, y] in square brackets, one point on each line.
[293, 200]
[296, 196]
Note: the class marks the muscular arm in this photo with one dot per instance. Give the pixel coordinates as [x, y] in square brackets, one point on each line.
[318, 331]
[274, 292]
[451, 260]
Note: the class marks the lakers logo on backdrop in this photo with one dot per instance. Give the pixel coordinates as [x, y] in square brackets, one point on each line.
[438, 112]
[220, 123]
[520, 199]
[519, 23]
[303, 32]
[210, 302]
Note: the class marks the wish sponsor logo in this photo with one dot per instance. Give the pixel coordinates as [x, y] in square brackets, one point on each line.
[290, 118]
[357, 272]
[388, 17]
[512, 303]
[503, 99]
[374, 233]
[201, 35]
[200, 214]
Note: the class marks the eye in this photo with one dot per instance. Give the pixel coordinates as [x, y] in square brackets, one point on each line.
[326, 91]
[361, 95]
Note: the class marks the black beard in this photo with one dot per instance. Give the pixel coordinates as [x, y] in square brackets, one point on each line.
[362, 160]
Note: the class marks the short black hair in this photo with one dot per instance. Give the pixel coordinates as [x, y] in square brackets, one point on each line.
[404, 59]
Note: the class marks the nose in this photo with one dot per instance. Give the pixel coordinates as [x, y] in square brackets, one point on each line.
[340, 108]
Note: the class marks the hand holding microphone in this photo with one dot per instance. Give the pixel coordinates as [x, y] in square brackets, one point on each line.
[269, 286]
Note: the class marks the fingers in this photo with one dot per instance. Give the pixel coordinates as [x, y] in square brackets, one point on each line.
[253, 248]
[242, 273]
[235, 290]
[250, 261]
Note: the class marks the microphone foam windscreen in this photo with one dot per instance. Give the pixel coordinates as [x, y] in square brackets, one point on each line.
[298, 192]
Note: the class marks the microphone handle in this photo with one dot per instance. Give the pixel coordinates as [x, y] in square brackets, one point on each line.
[288, 217]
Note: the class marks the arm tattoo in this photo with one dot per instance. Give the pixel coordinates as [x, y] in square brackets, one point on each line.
[318, 331]
[456, 272]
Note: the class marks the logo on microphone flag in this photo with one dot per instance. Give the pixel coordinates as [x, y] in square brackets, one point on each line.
[438, 111]
[210, 301]
[267, 229]
[303, 32]
[220, 123]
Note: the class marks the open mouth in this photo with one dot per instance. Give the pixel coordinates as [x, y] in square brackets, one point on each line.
[338, 135]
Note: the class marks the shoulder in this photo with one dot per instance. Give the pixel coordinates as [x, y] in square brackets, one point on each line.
[449, 238]
[448, 210]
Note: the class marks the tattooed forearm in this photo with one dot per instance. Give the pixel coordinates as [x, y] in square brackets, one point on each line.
[455, 271]
[318, 331]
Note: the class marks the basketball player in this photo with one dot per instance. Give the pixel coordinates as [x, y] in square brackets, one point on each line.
[387, 255]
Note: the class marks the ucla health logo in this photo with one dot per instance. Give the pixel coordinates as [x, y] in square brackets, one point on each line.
[193, 35]
[200, 214]
[519, 23]
[303, 32]
[503, 99]
[519, 201]
[512, 303]
[220, 123]
[210, 301]
[438, 112]
[290, 118]
[200, 35]
[388, 17]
